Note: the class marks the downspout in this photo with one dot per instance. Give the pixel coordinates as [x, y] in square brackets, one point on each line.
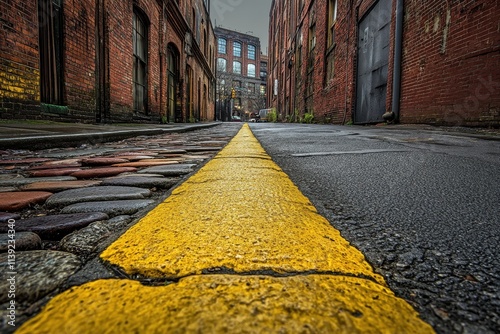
[392, 116]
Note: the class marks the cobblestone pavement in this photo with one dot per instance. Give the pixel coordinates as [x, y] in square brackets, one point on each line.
[66, 205]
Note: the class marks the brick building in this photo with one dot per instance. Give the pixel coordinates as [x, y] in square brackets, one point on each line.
[367, 61]
[241, 74]
[107, 60]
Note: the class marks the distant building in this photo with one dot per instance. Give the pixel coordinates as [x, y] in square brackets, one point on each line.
[349, 61]
[241, 77]
[107, 61]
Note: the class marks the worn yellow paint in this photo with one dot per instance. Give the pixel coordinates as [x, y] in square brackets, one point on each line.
[230, 304]
[19, 82]
[239, 212]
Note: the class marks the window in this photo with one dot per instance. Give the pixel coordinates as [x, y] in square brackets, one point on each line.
[51, 43]
[221, 65]
[139, 76]
[312, 37]
[330, 66]
[236, 67]
[262, 89]
[332, 18]
[251, 88]
[222, 45]
[251, 70]
[237, 49]
[251, 52]
[173, 103]
[263, 74]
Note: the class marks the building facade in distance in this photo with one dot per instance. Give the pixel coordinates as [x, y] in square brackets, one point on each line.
[241, 77]
[107, 61]
[369, 61]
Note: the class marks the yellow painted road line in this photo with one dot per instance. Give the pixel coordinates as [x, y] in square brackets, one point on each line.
[230, 304]
[239, 212]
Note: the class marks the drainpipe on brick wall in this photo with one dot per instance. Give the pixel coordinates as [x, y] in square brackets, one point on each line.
[393, 115]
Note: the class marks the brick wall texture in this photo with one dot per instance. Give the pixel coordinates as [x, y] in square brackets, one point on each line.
[97, 61]
[450, 70]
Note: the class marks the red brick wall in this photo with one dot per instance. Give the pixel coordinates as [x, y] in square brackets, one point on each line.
[79, 59]
[451, 65]
[450, 69]
[19, 59]
[19, 65]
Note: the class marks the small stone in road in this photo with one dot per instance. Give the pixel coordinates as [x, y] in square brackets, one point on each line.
[26, 161]
[136, 157]
[170, 170]
[64, 162]
[20, 181]
[59, 186]
[54, 166]
[56, 226]
[112, 208]
[101, 193]
[6, 216]
[147, 163]
[84, 241]
[17, 200]
[7, 189]
[103, 161]
[54, 172]
[40, 272]
[102, 172]
[141, 182]
[24, 241]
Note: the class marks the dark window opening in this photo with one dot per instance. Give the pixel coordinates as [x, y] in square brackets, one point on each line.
[140, 74]
[51, 47]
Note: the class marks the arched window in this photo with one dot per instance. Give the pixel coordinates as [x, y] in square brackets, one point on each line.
[173, 102]
[251, 52]
[221, 42]
[237, 49]
[140, 67]
[251, 70]
[236, 67]
[221, 65]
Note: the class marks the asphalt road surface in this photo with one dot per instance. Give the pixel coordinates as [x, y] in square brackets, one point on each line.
[423, 206]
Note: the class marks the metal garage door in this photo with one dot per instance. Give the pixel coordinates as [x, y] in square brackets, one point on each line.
[373, 61]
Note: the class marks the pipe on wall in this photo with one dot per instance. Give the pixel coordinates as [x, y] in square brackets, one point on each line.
[396, 75]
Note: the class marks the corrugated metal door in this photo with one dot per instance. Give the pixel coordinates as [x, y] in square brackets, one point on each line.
[373, 61]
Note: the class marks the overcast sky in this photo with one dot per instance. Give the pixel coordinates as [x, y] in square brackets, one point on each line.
[246, 16]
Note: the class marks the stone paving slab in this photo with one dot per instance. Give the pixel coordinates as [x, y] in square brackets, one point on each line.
[112, 208]
[102, 172]
[40, 272]
[54, 227]
[24, 241]
[150, 163]
[170, 170]
[103, 161]
[54, 172]
[5, 216]
[54, 166]
[58, 186]
[102, 193]
[20, 181]
[85, 241]
[141, 182]
[13, 201]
